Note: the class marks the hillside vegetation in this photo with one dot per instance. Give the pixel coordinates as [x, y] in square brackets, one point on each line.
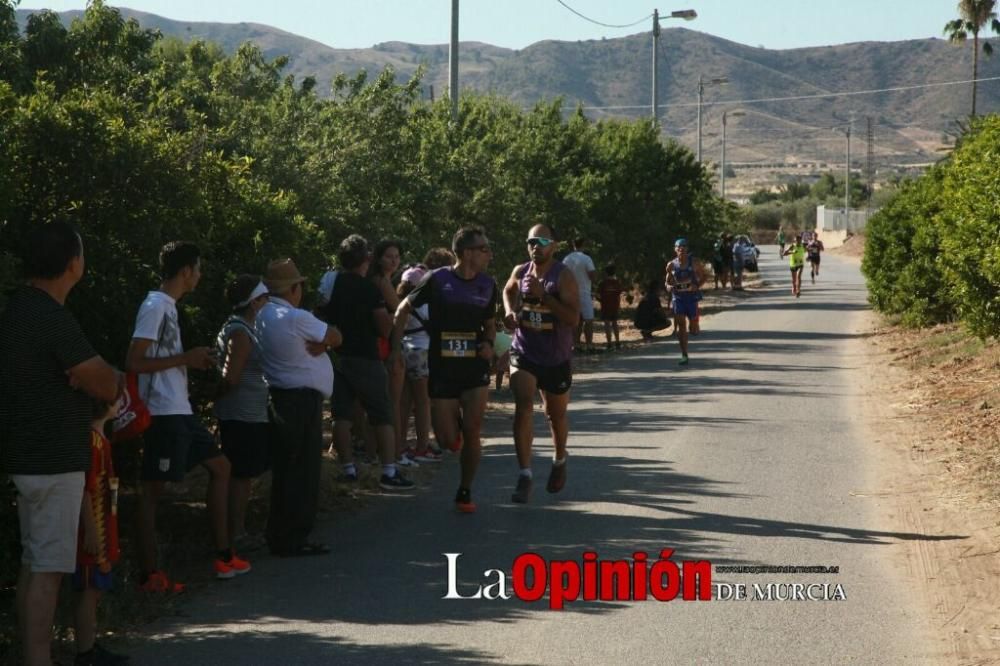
[910, 125]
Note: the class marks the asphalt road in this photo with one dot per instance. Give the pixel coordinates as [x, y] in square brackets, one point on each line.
[752, 454]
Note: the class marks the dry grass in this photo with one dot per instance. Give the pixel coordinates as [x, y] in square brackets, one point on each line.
[852, 247]
[952, 395]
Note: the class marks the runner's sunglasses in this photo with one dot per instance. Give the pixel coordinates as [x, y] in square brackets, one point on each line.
[539, 241]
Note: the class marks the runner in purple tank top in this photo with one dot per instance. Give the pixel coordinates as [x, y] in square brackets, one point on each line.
[542, 305]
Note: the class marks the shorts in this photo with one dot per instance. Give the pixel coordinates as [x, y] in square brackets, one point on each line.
[448, 383]
[416, 364]
[586, 307]
[685, 307]
[248, 447]
[610, 314]
[48, 510]
[173, 445]
[89, 576]
[814, 259]
[363, 380]
[554, 379]
[797, 269]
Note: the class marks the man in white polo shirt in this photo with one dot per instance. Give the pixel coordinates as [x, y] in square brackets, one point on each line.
[584, 271]
[299, 376]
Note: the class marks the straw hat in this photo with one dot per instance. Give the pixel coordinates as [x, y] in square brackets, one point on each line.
[281, 275]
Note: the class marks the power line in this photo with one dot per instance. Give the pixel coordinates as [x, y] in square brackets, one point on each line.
[606, 25]
[761, 100]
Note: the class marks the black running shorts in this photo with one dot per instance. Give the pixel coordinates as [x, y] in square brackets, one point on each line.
[554, 379]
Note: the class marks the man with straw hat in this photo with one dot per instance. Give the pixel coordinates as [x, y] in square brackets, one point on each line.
[299, 377]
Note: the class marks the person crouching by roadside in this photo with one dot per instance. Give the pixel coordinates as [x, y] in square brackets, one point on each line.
[649, 313]
[299, 376]
[241, 406]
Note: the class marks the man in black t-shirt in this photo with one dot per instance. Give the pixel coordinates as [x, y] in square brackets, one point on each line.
[357, 308]
[461, 302]
[49, 374]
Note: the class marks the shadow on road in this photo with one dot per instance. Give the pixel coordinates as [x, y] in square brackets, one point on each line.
[388, 566]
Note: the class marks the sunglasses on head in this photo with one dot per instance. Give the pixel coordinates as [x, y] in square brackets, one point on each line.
[539, 241]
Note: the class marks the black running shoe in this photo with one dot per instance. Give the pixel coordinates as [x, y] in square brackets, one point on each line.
[523, 491]
[398, 482]
[557, 478]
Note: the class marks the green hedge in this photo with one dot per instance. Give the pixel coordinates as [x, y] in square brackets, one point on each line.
[933, 251]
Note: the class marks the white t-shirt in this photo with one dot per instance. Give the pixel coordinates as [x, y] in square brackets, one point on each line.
[581, 265]
[283, 331]
[165, 392]
[325, 289]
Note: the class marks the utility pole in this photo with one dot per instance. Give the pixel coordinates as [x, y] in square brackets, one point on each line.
[453, 63]
[656, 50]
[701, 91]
[870, 168]
[722, 167]
[847, 179]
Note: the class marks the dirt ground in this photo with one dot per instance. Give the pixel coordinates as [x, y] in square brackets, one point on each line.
[933, 410]
[853, 247]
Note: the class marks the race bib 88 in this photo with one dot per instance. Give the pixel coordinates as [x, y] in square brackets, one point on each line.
[537, 317]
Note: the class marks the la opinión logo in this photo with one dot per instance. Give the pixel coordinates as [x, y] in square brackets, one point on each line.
[590, 579]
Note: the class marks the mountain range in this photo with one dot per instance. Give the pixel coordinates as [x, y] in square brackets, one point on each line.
[909, 126]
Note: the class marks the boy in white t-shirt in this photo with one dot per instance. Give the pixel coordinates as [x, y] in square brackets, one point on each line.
[176, 440]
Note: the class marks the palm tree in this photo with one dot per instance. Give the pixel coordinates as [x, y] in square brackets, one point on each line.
[973, 17]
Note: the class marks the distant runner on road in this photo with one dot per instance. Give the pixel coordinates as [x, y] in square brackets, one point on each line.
[813, 249]
[684, 279]
[796, 262]
[541, 301]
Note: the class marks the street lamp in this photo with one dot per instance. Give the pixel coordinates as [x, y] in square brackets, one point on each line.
[722, 179]
[453, 63]
[687, 15]
[701, 91]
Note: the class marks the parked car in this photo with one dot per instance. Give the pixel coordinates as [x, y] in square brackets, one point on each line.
[750, 252]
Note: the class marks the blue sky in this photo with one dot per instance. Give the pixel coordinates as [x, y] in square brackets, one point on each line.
[775, 24]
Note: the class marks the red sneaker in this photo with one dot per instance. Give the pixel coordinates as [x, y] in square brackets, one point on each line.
[426, 456]
[463, 501]
[158, 582]
[234, 566]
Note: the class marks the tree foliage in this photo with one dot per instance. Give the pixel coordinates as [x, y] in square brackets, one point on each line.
[974, 17]
[933, 252]
[141, 140]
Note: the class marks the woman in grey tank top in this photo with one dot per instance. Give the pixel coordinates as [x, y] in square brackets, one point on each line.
[241, 406]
